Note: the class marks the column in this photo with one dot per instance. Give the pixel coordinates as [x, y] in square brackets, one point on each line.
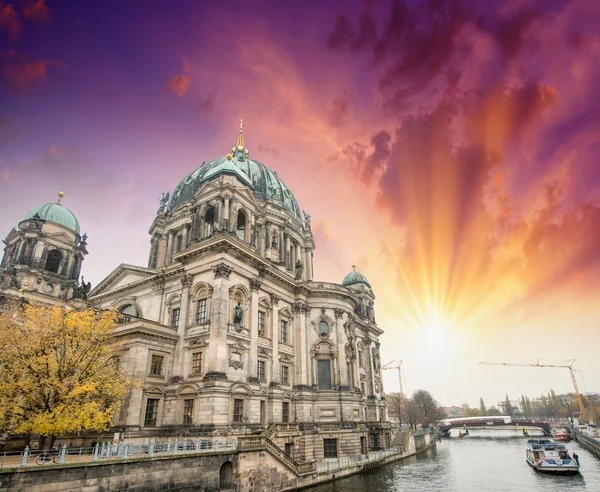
[268, 240]
[261, 240]
[219, 214]
[308, 264]
[300, 343]
[21, 254]
[162, 251]
[216, 360]
[287, 252]
[248, 227]
[281, 246]
[179, 362]
[184, 241]
[276, 374]
[233, 215]
[226, 219]
[251, 323]
[169, 248]
[253, 232]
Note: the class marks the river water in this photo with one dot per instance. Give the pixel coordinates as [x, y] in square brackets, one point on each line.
[483, 461]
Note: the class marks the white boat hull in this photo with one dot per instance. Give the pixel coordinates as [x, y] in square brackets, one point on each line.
[558, 467]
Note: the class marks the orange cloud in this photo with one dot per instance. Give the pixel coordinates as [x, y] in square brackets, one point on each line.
[180, 83]
[5, 175]
[22, 75]
[9, 20]
[36, 11]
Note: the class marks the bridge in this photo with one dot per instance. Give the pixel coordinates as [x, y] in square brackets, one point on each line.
[501, 422]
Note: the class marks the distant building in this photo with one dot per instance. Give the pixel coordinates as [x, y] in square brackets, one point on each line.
[454, 411]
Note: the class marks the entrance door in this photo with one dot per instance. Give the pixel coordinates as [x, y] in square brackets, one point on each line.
[226, 476]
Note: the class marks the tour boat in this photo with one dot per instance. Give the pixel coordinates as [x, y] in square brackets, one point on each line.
[544, 455]
[561, 435]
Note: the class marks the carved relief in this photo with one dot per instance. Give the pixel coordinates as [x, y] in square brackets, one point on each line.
[275, 299]
[186, 280]
[255, 284]
[323, 346]
[263, 352]
[350, 351]
[300, 308]
[286, 358]
[197, 342]
[338, 313]
[377, 385]
[222, 270]
[236, 355]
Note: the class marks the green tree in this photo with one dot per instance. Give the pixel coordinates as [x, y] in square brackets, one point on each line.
[395, 407]
[60, 370]
[473, 412]
[425, 409]
[508, 408]
[482, 406]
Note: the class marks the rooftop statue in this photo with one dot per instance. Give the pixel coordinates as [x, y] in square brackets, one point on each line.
[81, 291]
[306, 219]
[164, 199]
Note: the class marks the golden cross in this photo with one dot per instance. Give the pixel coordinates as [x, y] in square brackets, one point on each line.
[241, 124]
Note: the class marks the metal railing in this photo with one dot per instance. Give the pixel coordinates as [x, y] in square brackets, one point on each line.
[111, 451]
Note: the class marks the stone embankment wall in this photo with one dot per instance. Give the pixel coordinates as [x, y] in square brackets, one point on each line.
[254, 470]
[148, 473]
[589, 443]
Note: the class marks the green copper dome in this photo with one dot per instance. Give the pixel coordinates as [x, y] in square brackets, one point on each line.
[55, 212]
[355, 278]
[264, 183]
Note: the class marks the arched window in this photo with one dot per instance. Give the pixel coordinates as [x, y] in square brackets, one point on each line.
[241, 224]
[323, 328]
[128, 310]
[209, 221]
[53, 261]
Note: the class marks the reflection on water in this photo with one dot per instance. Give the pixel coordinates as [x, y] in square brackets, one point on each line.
[482, 461]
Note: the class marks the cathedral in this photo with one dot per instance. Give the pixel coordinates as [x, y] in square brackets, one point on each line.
[225, 327]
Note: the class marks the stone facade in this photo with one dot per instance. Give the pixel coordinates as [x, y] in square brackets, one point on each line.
[227, 330]
[43, 258]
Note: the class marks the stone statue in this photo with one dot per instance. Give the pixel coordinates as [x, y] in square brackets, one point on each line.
[163, 202]
[81, 291]
[306, 219]
[14, 282]
[83, 241]
[238, 314]
[273, 192]
[299, 270]
[376, 360]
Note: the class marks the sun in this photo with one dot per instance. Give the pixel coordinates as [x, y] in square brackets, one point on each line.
[439, 336]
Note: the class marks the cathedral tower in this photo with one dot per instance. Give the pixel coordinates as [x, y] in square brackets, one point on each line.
[43, 255]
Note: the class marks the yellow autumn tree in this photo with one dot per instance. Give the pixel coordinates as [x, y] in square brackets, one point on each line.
[59, 370]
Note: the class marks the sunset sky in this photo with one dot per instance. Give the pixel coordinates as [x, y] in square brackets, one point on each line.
[450, 149]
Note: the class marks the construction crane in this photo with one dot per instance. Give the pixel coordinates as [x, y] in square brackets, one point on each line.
[537, 364]
[397, 365]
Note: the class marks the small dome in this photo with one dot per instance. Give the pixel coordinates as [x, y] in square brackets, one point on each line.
[55, 212]
[355, 277]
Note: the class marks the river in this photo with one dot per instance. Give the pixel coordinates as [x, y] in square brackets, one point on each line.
[485, 460]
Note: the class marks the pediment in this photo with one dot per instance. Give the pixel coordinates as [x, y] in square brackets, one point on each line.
[60, 237]
[122, 276]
